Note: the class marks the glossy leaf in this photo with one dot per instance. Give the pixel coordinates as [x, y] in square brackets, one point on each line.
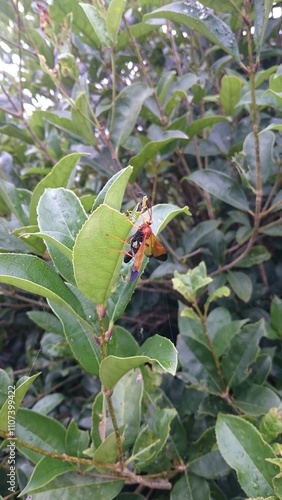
[198, 18]
[249, 454]
[222, 187]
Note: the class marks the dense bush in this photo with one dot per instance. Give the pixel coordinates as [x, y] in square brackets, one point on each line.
[168, 385]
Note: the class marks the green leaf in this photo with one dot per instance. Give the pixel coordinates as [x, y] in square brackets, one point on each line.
[127, 110]
[198, 18]
[17, 200]
[76, 440]
[60, 218]
[46, 321]
[98, 23]
[81, 25]
[97, 253]
[241, 354]
[107, 452]
[225, 334]
[204, 457]
[58, 177]
[128, 410]
[48, 403]
[230, 93]
[35, 276]
[153, 148]
[114, 15]
[70, 485]
[255, 399]
[80, 338]
[7, 418]
[262, 9]
[199, 234]
[194, 487]
[276, 314]
[13, 131]
[81, 119]
[266, 144]
[222, 187]
[199, 125]
[257, 255]
[48, 468]
[249, 454]
[152, 438]
[113, 191]
[154, 350]
[241, 284]
[42, 431]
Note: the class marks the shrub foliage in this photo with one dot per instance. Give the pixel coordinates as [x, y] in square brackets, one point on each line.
[167, 385]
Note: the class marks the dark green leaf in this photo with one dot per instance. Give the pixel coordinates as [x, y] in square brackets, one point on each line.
[222, 187]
